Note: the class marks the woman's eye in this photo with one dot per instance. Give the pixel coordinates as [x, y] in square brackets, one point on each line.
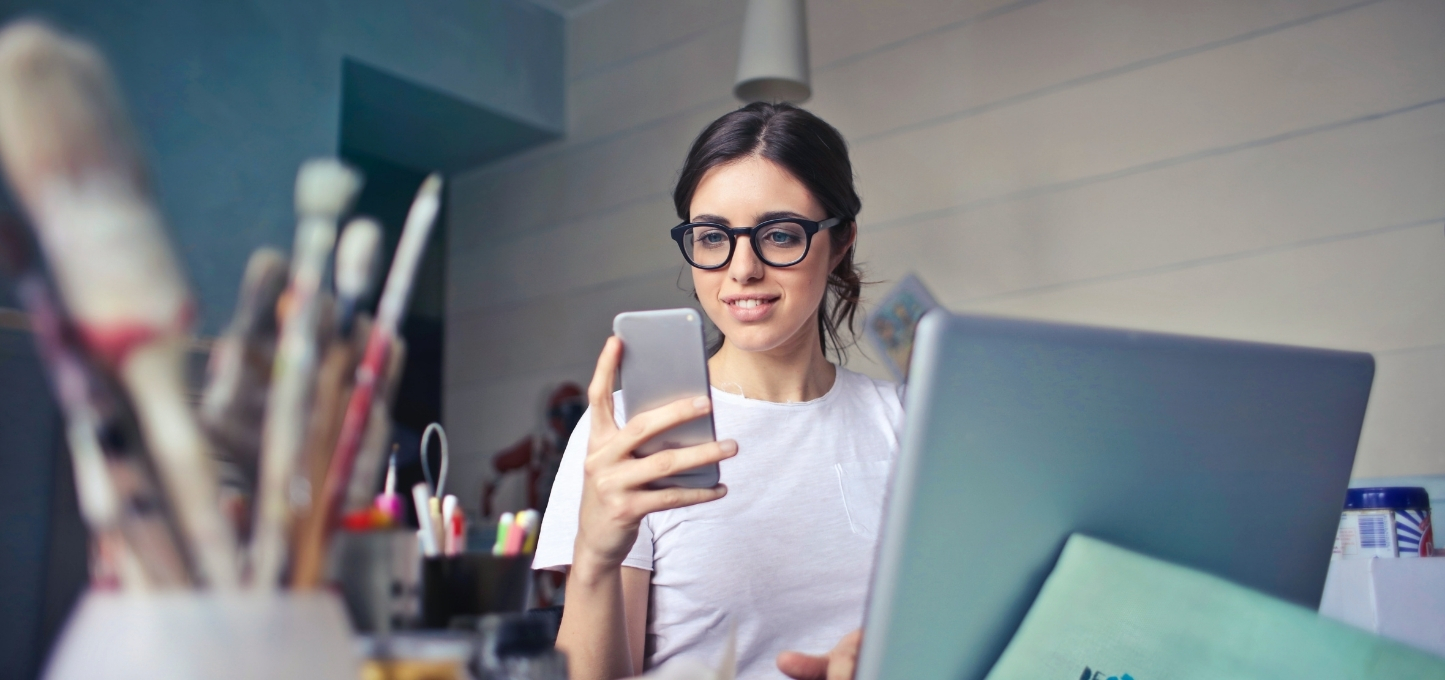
[711, 238]
[780, 238]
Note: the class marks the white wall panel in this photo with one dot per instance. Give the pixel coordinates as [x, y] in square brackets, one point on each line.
[1377, 292]
[565, 329]
[484, 418]
[578, 181]
[592, 251]
[612, 34]
[656, 85]
[1364, 177]
[1372, 60]
[1404, 433]
[1216, 168]
[853, 29]
[1041, 46]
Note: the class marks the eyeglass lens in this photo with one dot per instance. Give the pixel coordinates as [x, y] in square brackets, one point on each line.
[781, 244]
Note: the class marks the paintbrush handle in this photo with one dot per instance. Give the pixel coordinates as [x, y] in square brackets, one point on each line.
[419, 221]
[288, 404]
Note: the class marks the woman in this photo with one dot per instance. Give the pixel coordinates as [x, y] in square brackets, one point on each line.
[781, 554]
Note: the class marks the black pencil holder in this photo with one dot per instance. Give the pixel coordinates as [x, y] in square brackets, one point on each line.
[469, 585]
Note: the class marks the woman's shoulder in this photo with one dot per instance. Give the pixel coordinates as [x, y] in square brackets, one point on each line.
[887, 391]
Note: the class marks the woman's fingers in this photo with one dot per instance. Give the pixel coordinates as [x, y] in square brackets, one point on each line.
[644, 426]
[839, 664]
[599, 392]
[636, 473]
[676, 497]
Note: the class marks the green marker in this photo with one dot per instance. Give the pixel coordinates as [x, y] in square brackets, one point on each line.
[499, 547]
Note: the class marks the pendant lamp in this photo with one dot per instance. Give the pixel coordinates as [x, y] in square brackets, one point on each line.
[773, 62]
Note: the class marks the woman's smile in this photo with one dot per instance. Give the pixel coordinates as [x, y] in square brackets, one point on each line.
[750, 307]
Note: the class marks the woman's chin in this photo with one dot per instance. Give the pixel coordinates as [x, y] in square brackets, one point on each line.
[757, 338]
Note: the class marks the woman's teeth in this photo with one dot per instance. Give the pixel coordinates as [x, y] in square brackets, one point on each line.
[748, 304]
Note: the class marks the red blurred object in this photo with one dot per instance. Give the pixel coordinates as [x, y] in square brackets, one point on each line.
[369, 519]
[538, 455]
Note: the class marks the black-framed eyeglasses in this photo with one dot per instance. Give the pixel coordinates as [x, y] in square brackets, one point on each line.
[782, 242]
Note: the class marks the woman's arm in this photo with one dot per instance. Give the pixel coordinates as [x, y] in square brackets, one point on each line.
[604, 622]
[605, 617]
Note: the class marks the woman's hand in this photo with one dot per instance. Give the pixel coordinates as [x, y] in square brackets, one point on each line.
[837, 665]
[615, 496]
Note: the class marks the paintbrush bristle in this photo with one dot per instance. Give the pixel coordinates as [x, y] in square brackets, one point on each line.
[356, 257]
[325, 188]
[61, 114]
[70, 154]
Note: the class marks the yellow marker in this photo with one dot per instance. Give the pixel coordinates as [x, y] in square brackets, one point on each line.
[534, 529]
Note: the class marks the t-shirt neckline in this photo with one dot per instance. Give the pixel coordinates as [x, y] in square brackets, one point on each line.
[740, 400]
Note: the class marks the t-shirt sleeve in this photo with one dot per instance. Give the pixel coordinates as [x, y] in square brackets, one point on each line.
[559, 525]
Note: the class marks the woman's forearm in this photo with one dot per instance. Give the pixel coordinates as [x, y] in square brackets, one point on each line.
[594, 631]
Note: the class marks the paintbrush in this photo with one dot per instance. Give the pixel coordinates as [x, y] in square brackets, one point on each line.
[233, 407]
[118, 496]
[72, 161]
[324, 190]
[356, 255]
[374, 363]
[366, 470]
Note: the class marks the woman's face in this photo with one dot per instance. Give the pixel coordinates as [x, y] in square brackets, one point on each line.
[759, 307]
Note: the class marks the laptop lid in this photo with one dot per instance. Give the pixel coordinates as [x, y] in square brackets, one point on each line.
[1229, 457]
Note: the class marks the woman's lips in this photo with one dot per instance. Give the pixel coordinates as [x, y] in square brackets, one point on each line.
[748, 310]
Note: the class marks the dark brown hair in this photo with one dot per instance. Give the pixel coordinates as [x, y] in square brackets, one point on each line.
[812, 151]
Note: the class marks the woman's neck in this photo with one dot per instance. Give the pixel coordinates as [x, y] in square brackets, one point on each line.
[794, 372]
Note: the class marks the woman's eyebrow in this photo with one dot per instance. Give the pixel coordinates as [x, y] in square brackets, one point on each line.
[780, 214]
[714, 219]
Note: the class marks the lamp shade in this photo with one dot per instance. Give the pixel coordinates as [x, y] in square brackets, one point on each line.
[773, 62]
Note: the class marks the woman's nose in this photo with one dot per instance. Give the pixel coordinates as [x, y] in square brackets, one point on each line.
[745, 266]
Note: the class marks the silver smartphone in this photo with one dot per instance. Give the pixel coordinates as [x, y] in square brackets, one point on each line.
[663, 360]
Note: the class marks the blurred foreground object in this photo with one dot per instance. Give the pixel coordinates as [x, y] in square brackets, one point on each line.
[1401, 600]
[216, 636]
[518, 647]
[1115, 611]
[70, 156]
[1385, 521]
[773, 58]
[135, 541]
[892, 323]
[233, 407]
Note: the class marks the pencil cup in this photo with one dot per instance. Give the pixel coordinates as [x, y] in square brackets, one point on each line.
[472, 584]
[186, 635]
[378, 574]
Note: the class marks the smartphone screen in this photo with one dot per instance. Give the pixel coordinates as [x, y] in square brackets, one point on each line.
[663, 360]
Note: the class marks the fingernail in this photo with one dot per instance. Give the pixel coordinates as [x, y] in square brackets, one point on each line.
[728, 446]
[700, 403]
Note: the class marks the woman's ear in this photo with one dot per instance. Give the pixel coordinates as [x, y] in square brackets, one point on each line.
[835, 258]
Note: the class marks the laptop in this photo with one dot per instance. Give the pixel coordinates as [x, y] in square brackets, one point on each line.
[1228, 457]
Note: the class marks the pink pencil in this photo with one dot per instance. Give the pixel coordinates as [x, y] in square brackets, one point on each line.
[516, 536]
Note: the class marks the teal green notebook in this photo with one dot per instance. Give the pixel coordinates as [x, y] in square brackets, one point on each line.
[1108, 613]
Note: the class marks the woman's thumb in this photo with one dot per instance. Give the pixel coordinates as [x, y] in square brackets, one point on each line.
[800, 666]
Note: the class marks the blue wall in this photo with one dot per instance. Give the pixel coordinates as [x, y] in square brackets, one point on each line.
[231, 95]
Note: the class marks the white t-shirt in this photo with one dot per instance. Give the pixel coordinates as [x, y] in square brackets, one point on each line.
[786, 556]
